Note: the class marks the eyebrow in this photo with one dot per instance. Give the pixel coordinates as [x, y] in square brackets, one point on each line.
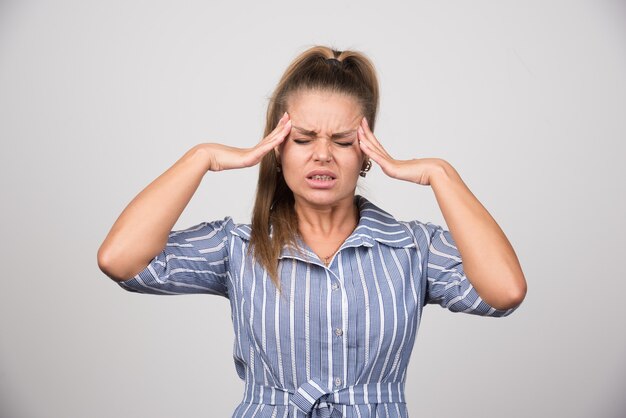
[313, 134]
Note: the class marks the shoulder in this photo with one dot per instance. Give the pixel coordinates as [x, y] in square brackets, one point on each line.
[241, 231]
[205, 237]
[381, 224]
[212, 228]
[423, 231]
[208, 232]
[378, 225]
[227, 228]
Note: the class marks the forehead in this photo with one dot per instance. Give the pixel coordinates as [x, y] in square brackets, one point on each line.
[323, 110]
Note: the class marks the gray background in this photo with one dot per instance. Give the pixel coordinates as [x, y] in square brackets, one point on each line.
[525, 99]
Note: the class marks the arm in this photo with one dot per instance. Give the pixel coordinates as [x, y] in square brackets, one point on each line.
[142, 229]
[489, 260]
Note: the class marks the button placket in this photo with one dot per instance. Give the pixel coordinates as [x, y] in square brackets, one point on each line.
[336, 328]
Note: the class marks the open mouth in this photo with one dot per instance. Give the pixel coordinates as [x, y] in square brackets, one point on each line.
[321, 178]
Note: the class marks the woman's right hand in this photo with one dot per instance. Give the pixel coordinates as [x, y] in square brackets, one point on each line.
[224, 157]
[142, 229]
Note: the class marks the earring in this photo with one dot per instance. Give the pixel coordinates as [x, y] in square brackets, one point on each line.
[278, 166]
[367, 167]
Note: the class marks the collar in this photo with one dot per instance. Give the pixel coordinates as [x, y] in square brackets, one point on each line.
[378, 225]
[375, 225]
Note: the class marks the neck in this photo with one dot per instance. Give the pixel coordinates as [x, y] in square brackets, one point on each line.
[326, 220]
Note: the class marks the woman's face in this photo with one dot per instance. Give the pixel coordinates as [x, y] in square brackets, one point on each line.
[321, 158]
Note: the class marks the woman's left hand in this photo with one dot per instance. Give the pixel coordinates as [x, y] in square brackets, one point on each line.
[418, 170]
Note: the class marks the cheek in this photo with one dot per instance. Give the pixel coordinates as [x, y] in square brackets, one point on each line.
[355, 160]
[292, 157]
[293, 162]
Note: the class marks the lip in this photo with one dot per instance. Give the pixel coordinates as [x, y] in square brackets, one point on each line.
[321, 184]
[321, 173]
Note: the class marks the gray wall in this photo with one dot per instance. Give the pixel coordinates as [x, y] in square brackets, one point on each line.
[525, 99]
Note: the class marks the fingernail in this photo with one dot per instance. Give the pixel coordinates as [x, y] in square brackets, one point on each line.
[365, 119]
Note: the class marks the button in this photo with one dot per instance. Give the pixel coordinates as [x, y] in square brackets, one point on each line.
[334, 286]
[338, 332]
[337, 381]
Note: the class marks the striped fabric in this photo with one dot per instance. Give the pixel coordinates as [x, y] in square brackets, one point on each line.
[336, 342]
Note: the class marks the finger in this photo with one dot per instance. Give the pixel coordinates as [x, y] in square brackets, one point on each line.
[284, 120]
[274, 139]
[382, 158]
[283, 132]
[371, 142]
[364, 131]
[371, 152]
[280, 131]
[279, 126]
[368, 132]
[364, 147]
[383, 162]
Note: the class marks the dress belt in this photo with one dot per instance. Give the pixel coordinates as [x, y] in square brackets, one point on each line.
[314, 399]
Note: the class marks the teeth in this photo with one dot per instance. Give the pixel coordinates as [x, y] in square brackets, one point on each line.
[322, 178]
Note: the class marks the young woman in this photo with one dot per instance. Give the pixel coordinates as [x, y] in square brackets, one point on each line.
[326, 288]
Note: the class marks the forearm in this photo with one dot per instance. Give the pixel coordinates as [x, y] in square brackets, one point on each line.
[489, 260]
[142, 229]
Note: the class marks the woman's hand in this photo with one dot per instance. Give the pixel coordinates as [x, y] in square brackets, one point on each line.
[224, 157]
[419, 170]
[500, 282]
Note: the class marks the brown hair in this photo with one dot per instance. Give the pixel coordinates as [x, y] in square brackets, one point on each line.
[317, 68]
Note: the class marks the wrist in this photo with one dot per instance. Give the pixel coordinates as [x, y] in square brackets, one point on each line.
[442, 171]
[201, 155]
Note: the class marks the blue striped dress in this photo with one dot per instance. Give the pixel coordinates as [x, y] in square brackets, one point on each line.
[336, 341]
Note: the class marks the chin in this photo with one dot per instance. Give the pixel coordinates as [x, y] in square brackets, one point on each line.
[322, 197]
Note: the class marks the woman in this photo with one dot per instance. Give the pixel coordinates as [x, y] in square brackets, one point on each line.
[326, 289]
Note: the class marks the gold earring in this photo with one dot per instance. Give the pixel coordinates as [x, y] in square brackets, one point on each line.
[367, 168]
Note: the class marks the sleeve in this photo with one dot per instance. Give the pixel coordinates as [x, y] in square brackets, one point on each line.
[194, 260]
[446, 282]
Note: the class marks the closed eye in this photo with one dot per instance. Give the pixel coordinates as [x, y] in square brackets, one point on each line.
[340, 143]
[344, 144]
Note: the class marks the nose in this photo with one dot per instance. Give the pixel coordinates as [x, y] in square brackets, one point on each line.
[322, 151]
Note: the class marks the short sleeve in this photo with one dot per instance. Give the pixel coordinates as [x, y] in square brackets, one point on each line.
[446, 282]
[194, 260]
